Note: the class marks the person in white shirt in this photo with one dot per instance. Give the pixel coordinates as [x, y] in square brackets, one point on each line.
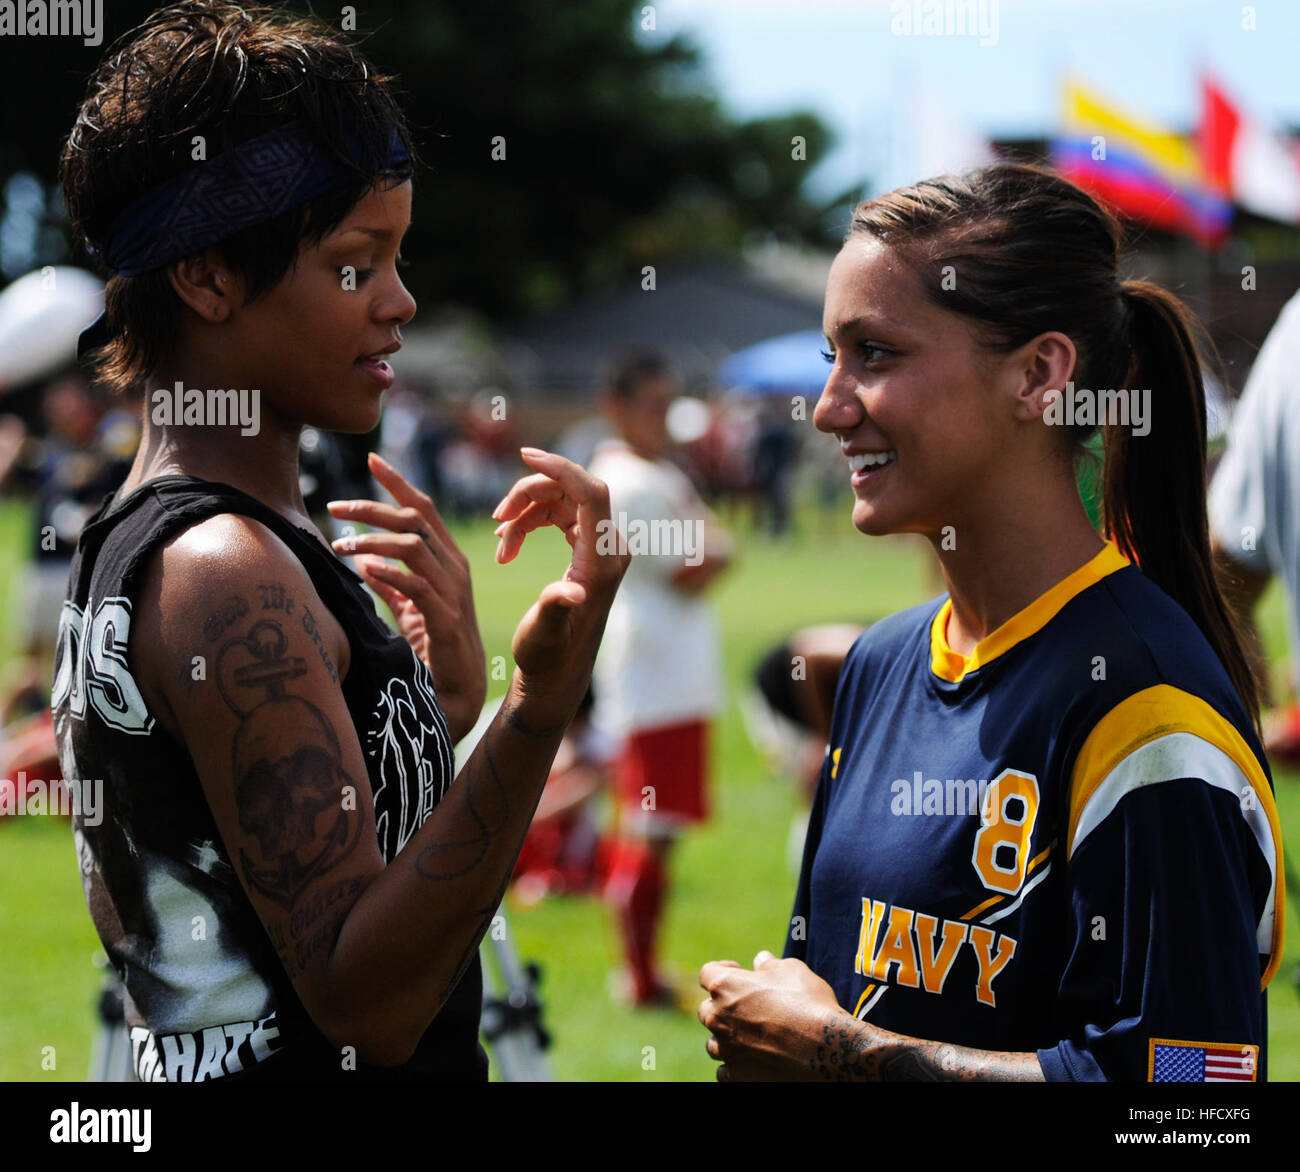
[658, 675]
[1253, 503]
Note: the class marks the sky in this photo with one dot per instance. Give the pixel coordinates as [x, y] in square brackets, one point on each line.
[842, 59]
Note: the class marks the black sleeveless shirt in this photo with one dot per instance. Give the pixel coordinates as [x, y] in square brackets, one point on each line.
[207, 996]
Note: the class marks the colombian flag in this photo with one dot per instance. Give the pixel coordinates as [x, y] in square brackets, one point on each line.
[1143, 171]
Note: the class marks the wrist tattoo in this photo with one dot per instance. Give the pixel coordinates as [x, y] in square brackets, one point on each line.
[520, 725]
[449, 862]
[842, 1053]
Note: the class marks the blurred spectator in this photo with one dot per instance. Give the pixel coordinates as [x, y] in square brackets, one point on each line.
[321, 476]
[788, 712]
[578, 441]
[435, 433]
[775, 450]
[82, 455]
[658, 675]
[565, 852]
[403, 414]
[1253, 506]
[479, 467]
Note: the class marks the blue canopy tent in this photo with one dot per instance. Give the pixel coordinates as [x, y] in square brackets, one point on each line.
[790, 364]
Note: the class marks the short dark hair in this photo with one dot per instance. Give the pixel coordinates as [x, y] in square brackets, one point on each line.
[628, 369]
[228, 73]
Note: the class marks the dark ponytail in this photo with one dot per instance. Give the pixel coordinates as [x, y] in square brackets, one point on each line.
[1036, 253]
[1155, 484]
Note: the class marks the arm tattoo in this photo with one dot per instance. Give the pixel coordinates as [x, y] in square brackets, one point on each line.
[488, 801]
[940, 1062]
[484, 921]
[519, 724]
[217, 623]
[314, 926]
[273, 596]
[847, 1055]
[485, 915]
[310, 625]
[452, 860]
[286, 764]
[842, 1054]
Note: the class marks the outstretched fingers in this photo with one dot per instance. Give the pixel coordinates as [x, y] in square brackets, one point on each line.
[414, 526]
[405, 493]
[526, 491]
[559, 493]
[563, 514]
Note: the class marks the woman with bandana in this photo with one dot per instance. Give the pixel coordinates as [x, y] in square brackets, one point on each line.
[285, 873]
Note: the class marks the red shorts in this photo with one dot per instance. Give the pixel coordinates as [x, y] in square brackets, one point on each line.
[661, 774]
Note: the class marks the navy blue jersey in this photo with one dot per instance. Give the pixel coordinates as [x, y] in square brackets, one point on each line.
[1064, 843]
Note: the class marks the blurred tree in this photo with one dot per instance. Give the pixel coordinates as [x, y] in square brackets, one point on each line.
[615, 153]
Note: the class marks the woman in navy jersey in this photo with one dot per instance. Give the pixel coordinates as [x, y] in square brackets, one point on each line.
[1044, 843]
[283, 870]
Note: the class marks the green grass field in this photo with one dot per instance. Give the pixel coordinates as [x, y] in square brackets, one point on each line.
[731, 885]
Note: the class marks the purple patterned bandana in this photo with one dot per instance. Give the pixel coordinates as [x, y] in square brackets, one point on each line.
[199, 207]
[202, 206]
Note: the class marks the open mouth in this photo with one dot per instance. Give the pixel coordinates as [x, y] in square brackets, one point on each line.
[872, 460]
[866, 465]
[375, 366]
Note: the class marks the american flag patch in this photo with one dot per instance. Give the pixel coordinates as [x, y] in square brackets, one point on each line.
[1173, 1061]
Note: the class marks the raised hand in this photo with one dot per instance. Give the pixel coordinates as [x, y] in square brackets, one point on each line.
[555, 644]
[431, 599]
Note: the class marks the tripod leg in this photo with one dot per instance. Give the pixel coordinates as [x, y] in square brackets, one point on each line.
[518, 1047]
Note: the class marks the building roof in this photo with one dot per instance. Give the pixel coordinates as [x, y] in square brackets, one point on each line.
[697, 314]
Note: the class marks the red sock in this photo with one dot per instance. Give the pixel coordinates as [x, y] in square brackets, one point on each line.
[636, 890]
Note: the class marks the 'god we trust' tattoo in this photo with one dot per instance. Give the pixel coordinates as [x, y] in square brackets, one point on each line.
[273, 596]
[312, 629]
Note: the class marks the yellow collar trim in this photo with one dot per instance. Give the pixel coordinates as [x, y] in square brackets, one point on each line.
[949, 665]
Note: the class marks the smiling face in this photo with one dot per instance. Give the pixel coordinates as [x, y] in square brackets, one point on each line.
[924, 414]
[314, 346]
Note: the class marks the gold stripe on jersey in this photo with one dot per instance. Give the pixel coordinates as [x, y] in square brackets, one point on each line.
[952, 666]
[1165, 717]
[862, 1000]
[979, 907]
[988, 903]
